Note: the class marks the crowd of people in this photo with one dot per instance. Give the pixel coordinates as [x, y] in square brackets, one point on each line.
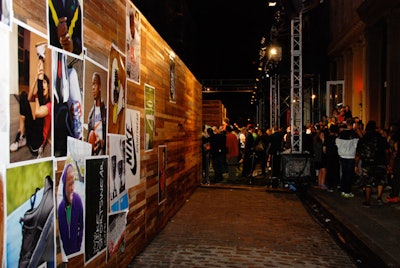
[345, 153]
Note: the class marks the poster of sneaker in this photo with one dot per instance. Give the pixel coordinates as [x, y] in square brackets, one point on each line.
[116, 232]
[117, 91]
[118, 191]
[30, 215]
[149, 109]
[132, 148]
[67, 88]
[30, 100]
[96, 206]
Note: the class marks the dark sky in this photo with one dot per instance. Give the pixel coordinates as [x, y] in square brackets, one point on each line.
[220, 39]
[215, 38]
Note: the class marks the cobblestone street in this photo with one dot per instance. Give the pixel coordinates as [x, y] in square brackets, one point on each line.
[243, 228]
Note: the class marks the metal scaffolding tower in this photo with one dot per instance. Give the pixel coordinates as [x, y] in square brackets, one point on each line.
[296, 96]
[274, 110]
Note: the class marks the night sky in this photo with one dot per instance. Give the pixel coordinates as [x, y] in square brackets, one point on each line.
[220, 39]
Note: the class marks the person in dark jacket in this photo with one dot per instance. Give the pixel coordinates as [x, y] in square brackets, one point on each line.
[373, 151]
[70, 214]
[65, 25]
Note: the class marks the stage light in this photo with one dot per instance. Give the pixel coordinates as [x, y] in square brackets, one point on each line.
[271, 3]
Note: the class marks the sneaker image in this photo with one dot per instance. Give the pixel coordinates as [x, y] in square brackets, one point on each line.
[38, 229]
[20, 141]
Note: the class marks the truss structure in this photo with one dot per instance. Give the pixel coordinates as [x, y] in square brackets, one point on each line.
[296, 94]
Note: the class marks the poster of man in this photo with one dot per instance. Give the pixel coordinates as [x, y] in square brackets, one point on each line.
[133, 43]
[95, 103]
[118, 191]
[64, 24]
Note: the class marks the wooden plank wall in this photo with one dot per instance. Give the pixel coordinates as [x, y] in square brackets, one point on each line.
[178, 125]
[213, 112]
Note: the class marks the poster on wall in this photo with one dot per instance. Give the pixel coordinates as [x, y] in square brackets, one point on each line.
[30, 105]
[2, 214]
[95, 103]
[117, 91]
[162, 179]
[116, 232]
[71, 194]
[96, 206]
[67, 87]
[132, 150]
[30, 201]
[132, 43]
[5, 13]
[172, 79]
[118, 191]
[70, 211]
[149, 103]
[65, 26]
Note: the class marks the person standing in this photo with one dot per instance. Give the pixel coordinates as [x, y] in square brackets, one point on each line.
[248, 151]
[347, 145]
[320, 158]
[332, 159]
[217, 151]
[97, 119]
[232, 152]
[373, 152]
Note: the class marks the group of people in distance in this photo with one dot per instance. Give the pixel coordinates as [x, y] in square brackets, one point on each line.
[344, 152]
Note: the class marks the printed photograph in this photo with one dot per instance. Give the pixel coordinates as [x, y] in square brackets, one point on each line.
[70, 211]
[30, 127]
[133, 43]
[30, 215]
[117, 92]
[96, 206]
[64, 25]
[149, 110]
[67, 77]
[162, 179]
[116, 232]
[95, 103]
[118, 193]
[132, 144]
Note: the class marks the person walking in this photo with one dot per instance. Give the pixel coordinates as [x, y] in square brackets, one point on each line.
[373, 152]
[347, 145]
